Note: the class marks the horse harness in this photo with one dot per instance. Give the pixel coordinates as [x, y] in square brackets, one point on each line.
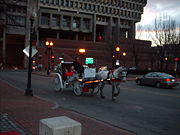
[111, 77]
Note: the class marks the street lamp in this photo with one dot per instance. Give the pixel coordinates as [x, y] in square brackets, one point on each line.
[82, 51]
[117, 57]
[124, 55]
[29, 91]
[49, 45]
[166, 62]
[117, 49]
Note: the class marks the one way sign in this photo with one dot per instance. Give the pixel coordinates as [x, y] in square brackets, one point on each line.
[34, 51]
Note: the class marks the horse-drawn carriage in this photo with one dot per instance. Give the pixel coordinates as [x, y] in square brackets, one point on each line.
[91, 81]
[67, 77]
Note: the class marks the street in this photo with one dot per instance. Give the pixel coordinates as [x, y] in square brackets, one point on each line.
[141, 109]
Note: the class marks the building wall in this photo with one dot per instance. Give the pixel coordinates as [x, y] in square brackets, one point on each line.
[97, 25]
[108, 19]
[100, 51]
[13, 27]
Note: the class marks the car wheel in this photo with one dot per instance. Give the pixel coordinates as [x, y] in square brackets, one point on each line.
[158, 84]
[139, 82]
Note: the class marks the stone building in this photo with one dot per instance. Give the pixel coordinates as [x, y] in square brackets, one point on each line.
[96, 25]
[13, 16]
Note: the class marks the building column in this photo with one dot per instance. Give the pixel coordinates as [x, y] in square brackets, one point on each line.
[77, 36]
[81, 24]
[57, 36]
[4, 47]
[61, 22]
[110, 30]
[94, 28]
[118, 30]
[37, 33]
[131, 32]
[71, 23]
[50, 20]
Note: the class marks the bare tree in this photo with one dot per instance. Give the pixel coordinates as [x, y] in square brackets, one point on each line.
[166, 33]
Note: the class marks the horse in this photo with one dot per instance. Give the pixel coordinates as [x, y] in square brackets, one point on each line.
[113, 77]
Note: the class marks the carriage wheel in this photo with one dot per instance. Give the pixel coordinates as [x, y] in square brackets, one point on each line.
[78, 90]
[57, 84]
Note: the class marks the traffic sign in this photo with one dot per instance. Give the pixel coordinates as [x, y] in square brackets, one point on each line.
[34, 51]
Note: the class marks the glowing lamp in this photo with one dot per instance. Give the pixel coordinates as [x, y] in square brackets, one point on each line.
[124, 53]
[82, 51]
[117, 49]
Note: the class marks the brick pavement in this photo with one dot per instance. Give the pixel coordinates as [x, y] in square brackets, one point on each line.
[27, 111]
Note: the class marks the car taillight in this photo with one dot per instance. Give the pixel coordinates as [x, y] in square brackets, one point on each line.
[167, 80]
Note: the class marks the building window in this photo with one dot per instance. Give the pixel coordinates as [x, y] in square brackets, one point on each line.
[14, 9]
[76, 5]
[47, 1]
[52, 2]
[45, 19]
[16, 20]
[66, 21]
[19, 9]
[76, 22]
[57, 2]
[71, 4]
[86, 24]
[24, 10]
[55, 20]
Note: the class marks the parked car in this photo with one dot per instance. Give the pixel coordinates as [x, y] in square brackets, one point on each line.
[157, 79]
[133, 68]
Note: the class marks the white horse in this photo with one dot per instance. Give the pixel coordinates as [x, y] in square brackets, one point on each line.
[113, 77]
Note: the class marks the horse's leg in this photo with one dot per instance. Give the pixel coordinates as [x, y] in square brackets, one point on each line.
[101, 89]
[113, 89]
[117, 86]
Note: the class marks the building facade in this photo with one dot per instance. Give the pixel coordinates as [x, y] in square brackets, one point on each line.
[13, 16]
[89, 20]
[96, 25]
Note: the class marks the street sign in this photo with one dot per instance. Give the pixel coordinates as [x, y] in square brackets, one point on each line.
[34, 51]
[89, 60]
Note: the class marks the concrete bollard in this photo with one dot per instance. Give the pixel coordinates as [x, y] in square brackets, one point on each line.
[59, 126]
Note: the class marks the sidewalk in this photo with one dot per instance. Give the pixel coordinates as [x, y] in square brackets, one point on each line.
[21, 114]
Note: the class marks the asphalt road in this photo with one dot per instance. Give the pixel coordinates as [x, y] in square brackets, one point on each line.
[141, 109]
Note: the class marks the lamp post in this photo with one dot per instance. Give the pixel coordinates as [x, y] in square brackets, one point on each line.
[166, 62]
[29, 91]
[82, 51]
[124, 55]
[117, 57]
[49, 45]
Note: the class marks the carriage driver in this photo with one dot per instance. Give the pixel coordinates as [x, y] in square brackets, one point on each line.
[78, 67]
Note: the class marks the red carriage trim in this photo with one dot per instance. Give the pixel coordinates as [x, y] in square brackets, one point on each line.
[69, 73]
[116, 80]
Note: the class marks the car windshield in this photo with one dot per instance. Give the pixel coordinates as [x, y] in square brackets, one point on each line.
[164, 75]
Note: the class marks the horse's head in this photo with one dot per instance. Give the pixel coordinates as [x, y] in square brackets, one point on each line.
[120, 72]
